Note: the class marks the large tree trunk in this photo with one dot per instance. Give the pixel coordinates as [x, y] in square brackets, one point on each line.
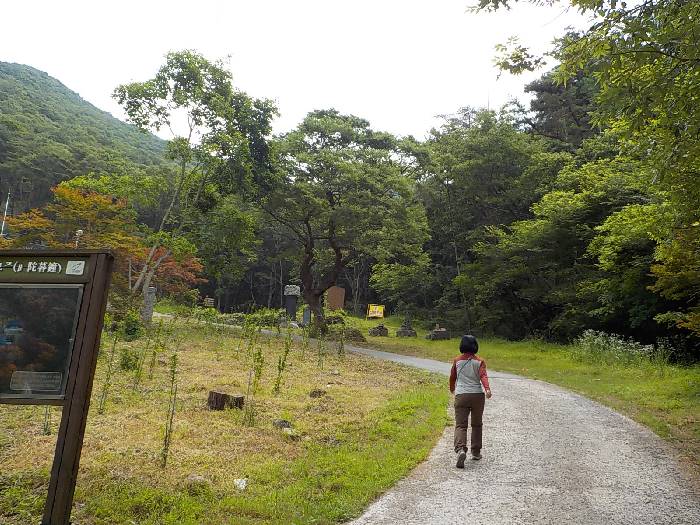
[313, 295]
[315, 302]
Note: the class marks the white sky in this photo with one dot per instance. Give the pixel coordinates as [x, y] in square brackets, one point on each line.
[397, 63]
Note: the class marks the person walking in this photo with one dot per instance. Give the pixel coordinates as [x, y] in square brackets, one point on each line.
[467, 378]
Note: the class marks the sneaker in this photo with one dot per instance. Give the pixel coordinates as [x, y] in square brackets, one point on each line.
[476, 456]
[460, 459]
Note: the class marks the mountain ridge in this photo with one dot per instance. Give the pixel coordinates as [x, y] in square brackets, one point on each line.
[49, 133]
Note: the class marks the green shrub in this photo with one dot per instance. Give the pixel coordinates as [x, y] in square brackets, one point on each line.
[128, 359]
[189, 298]
[615, 349]
[336, 317]
[237, 319]
[265, 317]
[169, 306]
[132, 325]
[206, 315]
[108, 322]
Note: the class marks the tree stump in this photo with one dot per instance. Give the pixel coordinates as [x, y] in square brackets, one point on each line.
[221, 400]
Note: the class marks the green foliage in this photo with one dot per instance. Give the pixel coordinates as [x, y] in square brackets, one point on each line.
[265, 317]
[144, 190]
[481, 172]
[107, 383]
[339, 195]
[132, 325]
[611, 349]
[538, 278]
[335, 317]
[220, 152]
[560, 112]
[128, 359]
[205, 314]
[257, 363]
[172, 404]
[644, 59]
[48, 134]
[227, 239]
[282, 363]
[155, 335]
[47, 421]
[232, 127]
[515, 58]
[402, 283]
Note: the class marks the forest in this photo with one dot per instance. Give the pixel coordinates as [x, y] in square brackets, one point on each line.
[576, 210]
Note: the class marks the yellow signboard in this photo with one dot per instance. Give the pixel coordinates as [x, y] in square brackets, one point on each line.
[375, 310]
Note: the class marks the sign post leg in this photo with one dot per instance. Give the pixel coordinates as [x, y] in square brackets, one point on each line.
[70, 436]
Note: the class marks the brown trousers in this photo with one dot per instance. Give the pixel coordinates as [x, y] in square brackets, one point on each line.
[466, 404]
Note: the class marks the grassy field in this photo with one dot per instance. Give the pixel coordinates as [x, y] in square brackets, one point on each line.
[372, 425]
[666, 398]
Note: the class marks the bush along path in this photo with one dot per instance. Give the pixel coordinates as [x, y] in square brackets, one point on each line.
[550, 456]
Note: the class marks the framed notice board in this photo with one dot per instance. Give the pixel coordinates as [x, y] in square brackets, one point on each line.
[37, 331]
[52, 304]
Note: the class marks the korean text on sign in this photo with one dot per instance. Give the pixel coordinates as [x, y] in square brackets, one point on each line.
[375, 310]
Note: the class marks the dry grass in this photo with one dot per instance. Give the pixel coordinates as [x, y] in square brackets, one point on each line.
[123, 445]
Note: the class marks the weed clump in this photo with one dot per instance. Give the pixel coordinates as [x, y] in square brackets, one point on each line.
[170, 419]
[614, 349]
[108, 378]
[132, 325]
[254, 375]
[282, 363]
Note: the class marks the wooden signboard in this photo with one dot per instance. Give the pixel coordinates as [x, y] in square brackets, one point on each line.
[51, 308]
[335, 298]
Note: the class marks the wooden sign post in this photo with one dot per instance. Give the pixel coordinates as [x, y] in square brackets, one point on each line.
[52, 304]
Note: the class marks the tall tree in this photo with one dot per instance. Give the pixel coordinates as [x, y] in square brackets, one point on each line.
[540, 277]
[646, 60]
[561, 112]
[341, 195]
[223, 140]
[480, 171]
[104, 222]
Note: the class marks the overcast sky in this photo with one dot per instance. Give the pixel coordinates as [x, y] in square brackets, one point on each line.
[397, 63]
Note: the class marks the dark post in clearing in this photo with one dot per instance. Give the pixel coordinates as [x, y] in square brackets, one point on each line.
[52, 304]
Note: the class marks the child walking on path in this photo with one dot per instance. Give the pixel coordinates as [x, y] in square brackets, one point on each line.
[467, 377]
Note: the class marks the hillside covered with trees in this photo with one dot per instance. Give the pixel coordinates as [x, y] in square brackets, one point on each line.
[49, 134]
[577, 212]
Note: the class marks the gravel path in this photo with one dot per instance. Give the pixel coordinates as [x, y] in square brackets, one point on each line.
[550, 456]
